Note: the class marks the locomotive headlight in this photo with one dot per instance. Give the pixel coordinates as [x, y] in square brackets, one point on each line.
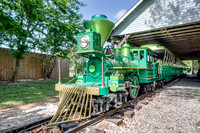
[85, 42]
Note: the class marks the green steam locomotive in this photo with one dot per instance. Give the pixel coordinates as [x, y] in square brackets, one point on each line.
[111, 78]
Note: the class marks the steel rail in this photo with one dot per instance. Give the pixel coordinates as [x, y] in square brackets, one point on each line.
[36, 124]
[28, 126]
[98, 119]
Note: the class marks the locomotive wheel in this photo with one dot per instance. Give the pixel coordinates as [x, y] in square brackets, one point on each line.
[162, 83]
[152, 87]
[134, 88]
[145, 89]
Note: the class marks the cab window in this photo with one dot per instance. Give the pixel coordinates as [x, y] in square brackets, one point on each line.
[142, 55]
[135, 54]
[151, 57]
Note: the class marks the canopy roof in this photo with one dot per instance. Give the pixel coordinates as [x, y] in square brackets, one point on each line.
[169, 23]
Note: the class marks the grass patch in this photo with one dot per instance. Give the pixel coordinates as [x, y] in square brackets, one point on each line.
[28, 92]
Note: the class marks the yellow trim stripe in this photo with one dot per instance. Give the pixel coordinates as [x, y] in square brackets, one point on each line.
[128, 68]
[91, 90]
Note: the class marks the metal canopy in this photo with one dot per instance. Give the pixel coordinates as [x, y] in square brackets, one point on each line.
[183, 40]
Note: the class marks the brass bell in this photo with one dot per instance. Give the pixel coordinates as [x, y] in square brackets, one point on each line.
[108, 51]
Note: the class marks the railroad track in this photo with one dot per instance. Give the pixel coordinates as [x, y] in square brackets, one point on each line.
[28, 127]
[71, 127]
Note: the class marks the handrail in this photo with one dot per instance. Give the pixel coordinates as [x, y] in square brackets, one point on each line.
[73, 78]
[125, 56]
[99, 78]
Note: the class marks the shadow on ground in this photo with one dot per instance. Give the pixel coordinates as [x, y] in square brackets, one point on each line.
[187, 88]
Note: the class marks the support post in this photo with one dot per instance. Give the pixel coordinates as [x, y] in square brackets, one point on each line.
[102, 84]
[59, 71]
[112, 42]
[163, 62]
[124, 40]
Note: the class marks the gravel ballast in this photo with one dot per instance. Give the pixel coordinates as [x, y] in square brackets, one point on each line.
[175, 109]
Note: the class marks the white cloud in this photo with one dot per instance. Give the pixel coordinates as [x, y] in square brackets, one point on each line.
[120, 14]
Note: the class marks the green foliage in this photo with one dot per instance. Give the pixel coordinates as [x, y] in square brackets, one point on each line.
[76, 61]
[193, 64]
[28, 92]
[27, 22]
[62, 26]
[48, 25]
[61, 29]
[48, 63]
[20, 20]
[188, 62]
[64, 53]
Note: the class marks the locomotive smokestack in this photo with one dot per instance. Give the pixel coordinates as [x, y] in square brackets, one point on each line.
[100, 24]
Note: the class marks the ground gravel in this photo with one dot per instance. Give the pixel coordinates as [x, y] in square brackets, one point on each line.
[175, 109]
[24, 114]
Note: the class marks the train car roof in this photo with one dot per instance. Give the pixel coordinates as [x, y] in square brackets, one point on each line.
[158, 50]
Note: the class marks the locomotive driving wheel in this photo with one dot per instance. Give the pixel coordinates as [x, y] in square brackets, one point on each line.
[134, 88]
[145, 89]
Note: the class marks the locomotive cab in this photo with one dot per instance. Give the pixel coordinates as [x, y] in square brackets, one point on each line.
[147, 69]
[142, 56]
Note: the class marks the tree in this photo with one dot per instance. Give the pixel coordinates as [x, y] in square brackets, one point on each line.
[19, 20]
[24, 22]
[76, 61]
[61, 31]
[51, 65]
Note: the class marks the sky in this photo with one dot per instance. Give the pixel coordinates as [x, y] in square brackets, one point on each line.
[113, 9]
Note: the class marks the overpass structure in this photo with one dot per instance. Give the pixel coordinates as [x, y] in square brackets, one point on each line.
[174, 24]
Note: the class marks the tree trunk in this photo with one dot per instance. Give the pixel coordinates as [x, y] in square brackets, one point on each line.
[51, 69]
[13, 79]
[46, 69]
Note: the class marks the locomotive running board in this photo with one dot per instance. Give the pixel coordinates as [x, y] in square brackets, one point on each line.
[75, 104]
